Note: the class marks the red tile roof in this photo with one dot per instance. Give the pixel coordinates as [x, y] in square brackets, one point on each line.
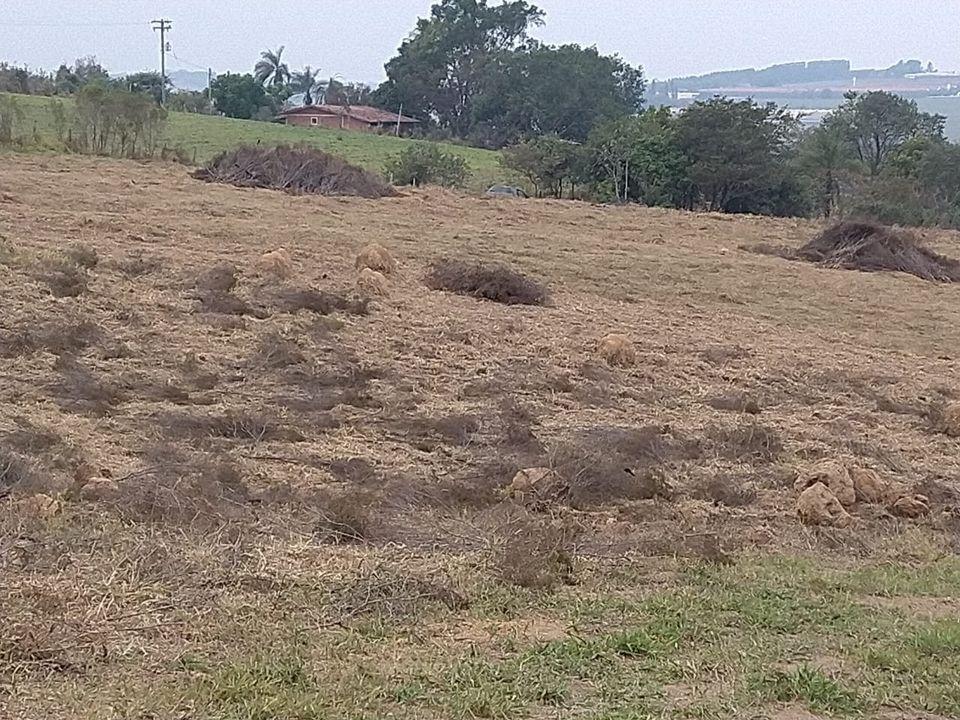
[363, 113]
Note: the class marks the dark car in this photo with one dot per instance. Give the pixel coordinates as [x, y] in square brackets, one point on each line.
[506, 191]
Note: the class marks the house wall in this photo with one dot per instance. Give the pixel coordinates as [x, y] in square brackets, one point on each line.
[330, 121]
[349, 123]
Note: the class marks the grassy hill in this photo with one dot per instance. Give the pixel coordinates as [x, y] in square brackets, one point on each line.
[203, 136]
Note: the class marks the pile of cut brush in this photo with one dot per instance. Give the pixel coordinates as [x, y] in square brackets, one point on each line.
[294, 169]
[872, 248]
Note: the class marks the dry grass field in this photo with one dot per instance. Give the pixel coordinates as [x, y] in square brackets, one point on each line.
[243, 490]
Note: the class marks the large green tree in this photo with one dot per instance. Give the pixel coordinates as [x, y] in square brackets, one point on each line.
[877, 123]
[442, 67]
[238, 96]
[738, 153]
[563, 91]
[639, 158]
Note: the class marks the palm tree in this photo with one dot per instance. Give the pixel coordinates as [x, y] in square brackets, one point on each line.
[305, 82]
[270, 68]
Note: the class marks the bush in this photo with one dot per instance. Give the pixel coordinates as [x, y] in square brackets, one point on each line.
[426, 164]
[110, 121]
[488, 281]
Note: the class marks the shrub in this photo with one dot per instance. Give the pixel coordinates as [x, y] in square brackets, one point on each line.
[111, 121]
[426, 164]
[488, 281]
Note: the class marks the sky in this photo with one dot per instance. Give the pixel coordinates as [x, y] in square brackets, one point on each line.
[353, 38]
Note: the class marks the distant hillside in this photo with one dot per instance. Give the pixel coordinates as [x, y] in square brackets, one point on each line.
[791, 73]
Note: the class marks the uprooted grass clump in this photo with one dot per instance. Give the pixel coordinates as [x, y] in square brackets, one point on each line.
[487, 281]
[297, 170]
[14, 471]
[872, 248]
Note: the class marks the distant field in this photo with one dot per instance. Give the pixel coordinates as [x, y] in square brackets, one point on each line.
[203, 136]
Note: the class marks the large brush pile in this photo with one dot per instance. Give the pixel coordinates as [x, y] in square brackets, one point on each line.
[873, 248]
[298, 170]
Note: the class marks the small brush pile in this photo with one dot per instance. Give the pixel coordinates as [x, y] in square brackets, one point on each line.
[874, 248]
[297, 170]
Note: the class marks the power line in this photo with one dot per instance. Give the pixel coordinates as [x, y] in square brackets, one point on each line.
[73, 25]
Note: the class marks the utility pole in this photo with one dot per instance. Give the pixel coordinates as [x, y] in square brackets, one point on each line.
[162, 25]
[210, 85]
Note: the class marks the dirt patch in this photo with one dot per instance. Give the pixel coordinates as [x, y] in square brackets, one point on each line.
[917, 606]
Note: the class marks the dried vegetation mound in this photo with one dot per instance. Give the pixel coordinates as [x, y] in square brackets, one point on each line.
[297, 170]
[487, 281]
[873, 248]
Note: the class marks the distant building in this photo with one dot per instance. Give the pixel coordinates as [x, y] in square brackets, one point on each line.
[347, 117]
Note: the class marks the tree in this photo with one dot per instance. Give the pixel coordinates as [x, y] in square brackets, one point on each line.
[238, 96]
[738, 153]
[563, 91]
[305, 82]
[639, 158]
[351, 93]
[547, 162]
[829, 162]
[148, 83]
[877, 123]
[426, 164]
[270, 68]
[441, 68]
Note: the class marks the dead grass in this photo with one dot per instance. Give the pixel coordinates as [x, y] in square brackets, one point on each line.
[870, 248]
[293, 300]
[64, 278]
[734, 402]
[487, 281]
[197, 490]
[58, 337]
[244, 425]
[537, 553]
[14, 471]
[147, 580]
[293, 169]
[81, 390]
[726, 490]
[348, 517]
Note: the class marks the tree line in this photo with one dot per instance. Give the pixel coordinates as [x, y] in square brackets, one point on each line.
[876, 157]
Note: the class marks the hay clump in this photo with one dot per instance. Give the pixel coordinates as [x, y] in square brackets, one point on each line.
[831, 474]
[487, 281]
[617, 350]
[817, 505]
[377, 258]
[277, 263]
[298, 170]
[874, 248]
[372, 282]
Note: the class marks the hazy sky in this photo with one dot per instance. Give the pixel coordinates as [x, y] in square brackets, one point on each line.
[353, 38]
